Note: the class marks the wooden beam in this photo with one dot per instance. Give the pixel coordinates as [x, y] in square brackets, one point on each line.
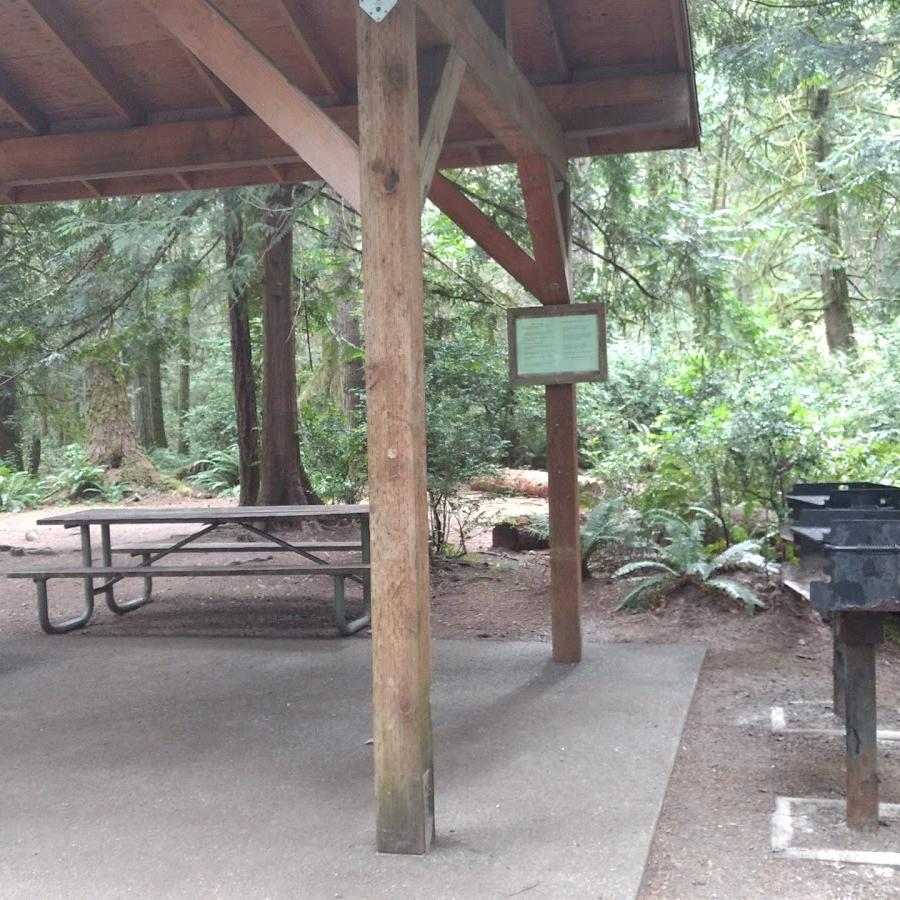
[495, 90]
[395, 373]
[149, 150]
[265, 89]
[590, 111]
[307, 36]
[565, 526]
[486, 233]
[91, 65]
[545, 210]
[497, 15]
[12, 97]
[237, 151]
[441, 71]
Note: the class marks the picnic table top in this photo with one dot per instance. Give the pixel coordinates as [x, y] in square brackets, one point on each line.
[207, 514]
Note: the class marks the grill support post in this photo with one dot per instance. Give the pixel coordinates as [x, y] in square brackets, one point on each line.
[859, 634]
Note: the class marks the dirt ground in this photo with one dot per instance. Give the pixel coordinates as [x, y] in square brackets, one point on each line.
[713, 837]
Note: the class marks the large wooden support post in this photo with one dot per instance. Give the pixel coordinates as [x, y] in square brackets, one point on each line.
[390, 169]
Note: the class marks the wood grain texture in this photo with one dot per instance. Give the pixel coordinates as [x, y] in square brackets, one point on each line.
[565, 527]
[485, 232]
[234, 151]
[289, 112]
[14, 99]
[495, 90]
[306, 34]
[441, 71]
[92, 65]
[393, 296]
[547, 212]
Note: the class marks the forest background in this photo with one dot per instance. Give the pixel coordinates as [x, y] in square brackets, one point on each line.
[753, 291]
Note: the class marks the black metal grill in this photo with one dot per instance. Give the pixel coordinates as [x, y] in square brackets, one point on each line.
[849, 533]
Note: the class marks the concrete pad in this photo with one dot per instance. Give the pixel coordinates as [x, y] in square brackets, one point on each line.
[816, 828]
[817, 717]
[141, 767]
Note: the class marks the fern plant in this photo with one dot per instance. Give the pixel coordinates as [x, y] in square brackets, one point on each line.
[683, 560]
[611, 523]
[18, 490]
[219, 472]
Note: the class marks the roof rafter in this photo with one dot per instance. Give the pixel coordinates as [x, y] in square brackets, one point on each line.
[87, 59]
[289, 112]
[12, 97]
[495, 89]
[306, 35]
[225, 97]
[559, 50]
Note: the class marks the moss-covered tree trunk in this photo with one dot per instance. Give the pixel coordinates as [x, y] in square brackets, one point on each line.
[835, 285]
[112, 439]
[347, 322]
[184, 373]
[143, 418]
[154, 377]
[10, 434]
[283, 481]
[243, 378]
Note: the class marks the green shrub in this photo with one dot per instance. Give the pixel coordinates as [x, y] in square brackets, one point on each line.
[334, 454]
[464, 439]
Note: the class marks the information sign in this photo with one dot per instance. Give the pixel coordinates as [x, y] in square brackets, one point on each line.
[557, 344]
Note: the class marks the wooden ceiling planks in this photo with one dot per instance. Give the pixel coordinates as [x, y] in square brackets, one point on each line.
[615, 75]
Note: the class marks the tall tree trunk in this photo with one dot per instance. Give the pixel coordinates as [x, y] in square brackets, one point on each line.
[347, 324]
[34, 455]
[154, 378]
[723, 159]
[282, 478]
[835, 286]
[112, 439]
[10, 433]
[184, 373]
[241, 355]
[143, 417]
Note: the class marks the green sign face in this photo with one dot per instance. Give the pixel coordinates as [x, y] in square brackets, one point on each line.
[558, 344]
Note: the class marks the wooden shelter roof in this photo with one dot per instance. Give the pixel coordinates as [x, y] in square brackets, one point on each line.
[97, 98]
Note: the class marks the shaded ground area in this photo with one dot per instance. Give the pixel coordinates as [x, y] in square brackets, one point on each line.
[713, 839]
[241, 768]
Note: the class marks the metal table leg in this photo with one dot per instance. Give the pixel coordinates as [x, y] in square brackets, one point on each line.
[366, 541]
[43, 602]
[109, 589]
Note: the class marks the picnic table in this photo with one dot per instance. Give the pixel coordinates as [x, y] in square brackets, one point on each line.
[257, 521]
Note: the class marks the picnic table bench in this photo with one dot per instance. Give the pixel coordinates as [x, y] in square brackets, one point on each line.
[255, 520]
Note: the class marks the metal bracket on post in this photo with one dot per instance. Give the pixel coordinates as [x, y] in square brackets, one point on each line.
[377, 9]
